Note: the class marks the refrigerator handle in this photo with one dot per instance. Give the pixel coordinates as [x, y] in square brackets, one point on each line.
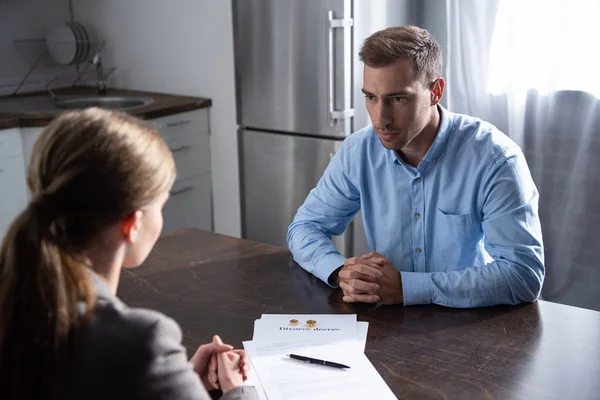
[335, 115]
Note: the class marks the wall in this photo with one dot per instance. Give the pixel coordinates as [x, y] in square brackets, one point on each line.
[25, 19]
[181, 47]
[431, 15]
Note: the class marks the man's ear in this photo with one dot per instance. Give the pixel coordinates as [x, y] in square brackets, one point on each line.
[131, 226]
[437, 90]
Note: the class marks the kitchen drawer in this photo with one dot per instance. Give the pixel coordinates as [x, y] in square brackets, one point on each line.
[191, 153]
[182, 124]
[13, 198]
[189, 205]
[10, 143]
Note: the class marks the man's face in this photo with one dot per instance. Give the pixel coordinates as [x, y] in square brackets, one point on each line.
[398, 103]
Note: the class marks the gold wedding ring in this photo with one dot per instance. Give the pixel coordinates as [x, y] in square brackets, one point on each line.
[293, 322]
[311, 323]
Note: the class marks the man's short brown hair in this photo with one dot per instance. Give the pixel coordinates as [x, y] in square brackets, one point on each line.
[404, 42]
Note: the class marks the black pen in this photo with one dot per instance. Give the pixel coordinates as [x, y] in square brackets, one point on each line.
[317, 361]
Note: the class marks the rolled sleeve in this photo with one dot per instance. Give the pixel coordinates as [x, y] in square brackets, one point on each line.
[417, 288]
[327, 266]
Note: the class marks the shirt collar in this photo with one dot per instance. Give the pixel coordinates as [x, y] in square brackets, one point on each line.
[439, 143]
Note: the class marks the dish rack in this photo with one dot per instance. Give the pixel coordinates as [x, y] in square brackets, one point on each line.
[36, 55]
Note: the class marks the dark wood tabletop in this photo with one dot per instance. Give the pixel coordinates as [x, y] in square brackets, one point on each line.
[211, 284]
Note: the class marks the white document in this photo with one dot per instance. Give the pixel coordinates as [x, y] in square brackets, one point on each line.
[253, 380]
[286, 378]
[363, 329]
[276, 328]
[274, 338]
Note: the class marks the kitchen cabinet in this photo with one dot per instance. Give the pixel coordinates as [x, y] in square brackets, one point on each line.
[13, 197]
[28, 138]
[10, 143]
[190, 202]
[188, 137]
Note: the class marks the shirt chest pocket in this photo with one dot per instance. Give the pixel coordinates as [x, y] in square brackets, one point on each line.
[456, 237]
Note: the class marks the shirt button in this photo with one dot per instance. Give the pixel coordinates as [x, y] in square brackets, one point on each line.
[417, 215]
[434, 160]
[417, 180]
[418, 250]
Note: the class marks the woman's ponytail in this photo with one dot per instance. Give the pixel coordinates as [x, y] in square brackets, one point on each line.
[42, 283]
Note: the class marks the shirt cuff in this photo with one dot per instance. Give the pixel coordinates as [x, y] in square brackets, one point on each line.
[327, 265]
[417, 288]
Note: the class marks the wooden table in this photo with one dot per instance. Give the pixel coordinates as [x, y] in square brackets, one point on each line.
[217, 284]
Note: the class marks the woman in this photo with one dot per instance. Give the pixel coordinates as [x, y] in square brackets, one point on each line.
[99, 180]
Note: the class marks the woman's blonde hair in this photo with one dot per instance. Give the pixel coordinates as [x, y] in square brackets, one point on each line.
[89, 169]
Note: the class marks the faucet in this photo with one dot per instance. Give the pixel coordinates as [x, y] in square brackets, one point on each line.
[100, 78]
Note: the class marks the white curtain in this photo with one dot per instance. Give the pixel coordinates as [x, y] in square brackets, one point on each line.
[532, 68]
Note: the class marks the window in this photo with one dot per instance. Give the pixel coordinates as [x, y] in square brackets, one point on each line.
[546, 45]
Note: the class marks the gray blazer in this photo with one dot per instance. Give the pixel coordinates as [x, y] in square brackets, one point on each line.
[127, 353]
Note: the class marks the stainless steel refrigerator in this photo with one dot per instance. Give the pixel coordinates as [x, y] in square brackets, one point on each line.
[298, 87]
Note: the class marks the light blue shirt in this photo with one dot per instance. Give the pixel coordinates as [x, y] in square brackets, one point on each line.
[462, 228]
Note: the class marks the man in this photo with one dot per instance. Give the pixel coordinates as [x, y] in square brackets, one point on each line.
[449, 205]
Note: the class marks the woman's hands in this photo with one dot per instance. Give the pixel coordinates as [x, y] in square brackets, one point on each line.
[229, 369]
[216, 365]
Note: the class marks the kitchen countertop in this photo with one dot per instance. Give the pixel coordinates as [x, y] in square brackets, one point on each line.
[7, 122]
[15, 112]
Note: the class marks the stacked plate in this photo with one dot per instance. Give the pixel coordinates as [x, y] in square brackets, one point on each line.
[69, 43]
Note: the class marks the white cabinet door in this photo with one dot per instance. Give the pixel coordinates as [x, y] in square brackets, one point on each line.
[10, 143]
[191, 154]
[188, 137]
[182, 124]
[13, 197]
[189, 205]
[29, 136]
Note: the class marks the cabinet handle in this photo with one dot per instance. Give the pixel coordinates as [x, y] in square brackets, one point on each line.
[173, 124]
[177, 123]
[182, 190]
[180, 148]
[1, 170]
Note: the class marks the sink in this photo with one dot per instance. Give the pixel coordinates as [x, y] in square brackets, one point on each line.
[108, 102]
[46, 104]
